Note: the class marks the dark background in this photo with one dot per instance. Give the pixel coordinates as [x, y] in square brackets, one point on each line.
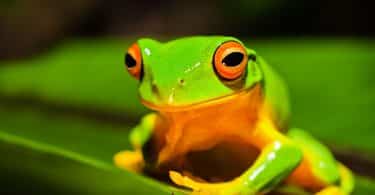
[29, 26]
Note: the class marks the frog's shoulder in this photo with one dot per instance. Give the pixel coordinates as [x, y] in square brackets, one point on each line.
[276, 94]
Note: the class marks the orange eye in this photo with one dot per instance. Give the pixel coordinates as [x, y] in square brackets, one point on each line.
[230, 60]
[133, 61]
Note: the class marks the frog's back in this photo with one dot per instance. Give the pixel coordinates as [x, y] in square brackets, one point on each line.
[276, 95]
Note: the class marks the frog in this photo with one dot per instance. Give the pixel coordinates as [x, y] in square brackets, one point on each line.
[219, 123]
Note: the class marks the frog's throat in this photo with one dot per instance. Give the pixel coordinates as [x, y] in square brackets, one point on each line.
[207, 103]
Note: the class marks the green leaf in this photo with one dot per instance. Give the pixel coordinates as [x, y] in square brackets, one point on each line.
[65, 114]
[80, 73]
[71, 153]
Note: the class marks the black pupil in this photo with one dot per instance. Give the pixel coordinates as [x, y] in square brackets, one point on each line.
[233, 59]
[130, 61]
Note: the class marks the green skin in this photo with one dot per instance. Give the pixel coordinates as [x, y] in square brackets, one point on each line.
[190, 59]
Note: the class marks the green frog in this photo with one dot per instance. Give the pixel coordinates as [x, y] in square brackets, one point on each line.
[220, 122]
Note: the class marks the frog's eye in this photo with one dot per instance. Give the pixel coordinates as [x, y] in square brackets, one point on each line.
[230, 60]
[133, 61]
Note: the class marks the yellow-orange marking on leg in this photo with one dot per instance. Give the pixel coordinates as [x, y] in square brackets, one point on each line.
[129, 160]
[304, 177]
[331, 190]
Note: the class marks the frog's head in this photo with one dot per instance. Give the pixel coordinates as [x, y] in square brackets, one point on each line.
[192, 70]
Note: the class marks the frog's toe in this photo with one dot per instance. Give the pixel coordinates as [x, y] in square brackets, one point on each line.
[203, 188]
[129, 160]
[184, 181]
[331, 190]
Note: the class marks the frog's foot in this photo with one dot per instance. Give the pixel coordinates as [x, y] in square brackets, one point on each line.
[331, 190]
[203, 188]
[130, 160]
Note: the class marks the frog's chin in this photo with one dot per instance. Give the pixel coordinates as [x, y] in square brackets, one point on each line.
[172, 107]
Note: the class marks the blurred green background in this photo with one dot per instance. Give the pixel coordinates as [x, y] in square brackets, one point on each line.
[67, 102]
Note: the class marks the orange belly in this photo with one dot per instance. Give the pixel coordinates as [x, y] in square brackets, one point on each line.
[208, 138]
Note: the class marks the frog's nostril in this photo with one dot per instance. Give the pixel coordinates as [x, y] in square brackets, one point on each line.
[181, 82]
[155, 89]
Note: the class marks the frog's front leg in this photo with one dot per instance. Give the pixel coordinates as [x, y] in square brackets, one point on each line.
[278, 158]
[133, 160]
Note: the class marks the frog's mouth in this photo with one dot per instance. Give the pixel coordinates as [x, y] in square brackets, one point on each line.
[202, 104]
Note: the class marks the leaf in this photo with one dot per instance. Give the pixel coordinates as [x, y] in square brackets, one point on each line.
[84, 74]
[69, 152]
[63, 115]
[331, 85]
